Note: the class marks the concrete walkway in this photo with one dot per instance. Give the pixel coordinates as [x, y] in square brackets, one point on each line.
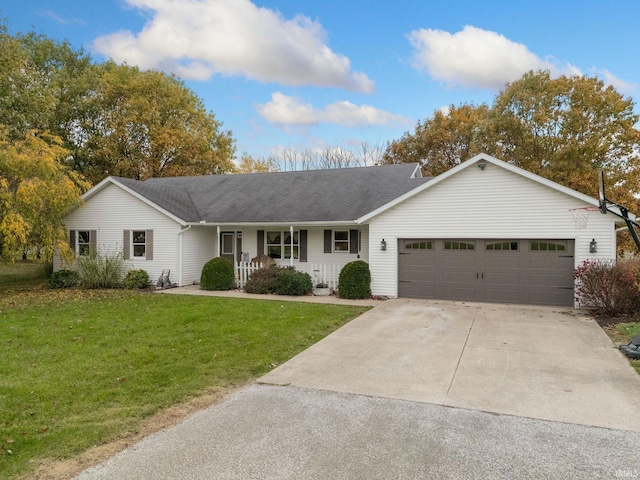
[549, 363]
[329, 299]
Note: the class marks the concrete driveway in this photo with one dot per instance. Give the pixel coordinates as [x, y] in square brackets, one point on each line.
[548, 363]
[373, 401]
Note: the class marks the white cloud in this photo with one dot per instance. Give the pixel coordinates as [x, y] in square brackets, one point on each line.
[197, 39]
[609, 79]
[286, 110]
[474, 57]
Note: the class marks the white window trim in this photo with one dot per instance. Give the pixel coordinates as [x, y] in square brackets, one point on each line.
[283, 244]
[347, 241]
[134, 243]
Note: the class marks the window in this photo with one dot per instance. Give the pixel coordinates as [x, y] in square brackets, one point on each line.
[547, 247]
[279, 244]
[451, 245]
[502, 246]
[341, 241]
[422, 245]
[84, 242]
[139, 242]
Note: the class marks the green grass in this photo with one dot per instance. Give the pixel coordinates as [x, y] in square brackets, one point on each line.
[83, 367]
[21, 275]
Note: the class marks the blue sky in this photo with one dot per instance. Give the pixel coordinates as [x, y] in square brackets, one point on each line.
[324, 74]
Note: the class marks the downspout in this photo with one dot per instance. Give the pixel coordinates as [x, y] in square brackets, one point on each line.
[291, 236]
[180, 253]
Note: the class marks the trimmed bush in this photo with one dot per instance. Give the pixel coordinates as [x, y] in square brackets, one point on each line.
[289, 281]
[279, 281]
[136, 279]
[354, 281]
[101, 270]
[217, 274]
[609, 287]
[64, 279]
[262, 281]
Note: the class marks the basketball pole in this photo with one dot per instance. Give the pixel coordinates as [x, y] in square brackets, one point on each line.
[624, 212]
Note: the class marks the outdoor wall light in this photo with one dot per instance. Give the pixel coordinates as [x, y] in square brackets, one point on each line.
[482, 164]
[593, 246]
[383, 245]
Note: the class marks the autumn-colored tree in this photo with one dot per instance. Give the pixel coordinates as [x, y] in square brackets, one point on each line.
[36, 192]
[113, 120]
[249, 164]
[443, 141]
[564, 129]
[142, 124]
[568, 128]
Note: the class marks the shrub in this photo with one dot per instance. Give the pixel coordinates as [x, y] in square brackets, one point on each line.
[99, 270]
[289, 281]
[609, 287]
[217, 274]
[280, 281]
[136, 279]
[64, 279]
[355, 280]
[262, 281]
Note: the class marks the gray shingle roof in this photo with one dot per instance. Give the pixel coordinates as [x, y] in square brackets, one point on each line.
[288, 197]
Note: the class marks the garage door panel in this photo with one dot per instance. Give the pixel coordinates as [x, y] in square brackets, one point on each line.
[510, 271]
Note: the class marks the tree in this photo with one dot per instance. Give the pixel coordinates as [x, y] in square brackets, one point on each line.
[249, 164]
[443, 141]
[113, 120]
[36, 192]
[147, 124]
[568, 128]
[564, 129]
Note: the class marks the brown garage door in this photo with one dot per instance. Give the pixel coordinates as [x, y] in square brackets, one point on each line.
[507, 271]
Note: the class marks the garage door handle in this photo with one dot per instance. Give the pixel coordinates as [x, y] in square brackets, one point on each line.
[479, 275]
[565, 256]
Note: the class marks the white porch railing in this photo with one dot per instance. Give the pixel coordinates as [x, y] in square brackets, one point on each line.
[320, 273]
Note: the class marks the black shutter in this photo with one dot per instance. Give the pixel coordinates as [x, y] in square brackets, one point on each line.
[302, 254]
[353, 241]
[148, 239]
[260, 242]
[328, 240]
[72, 240]
[126, 245]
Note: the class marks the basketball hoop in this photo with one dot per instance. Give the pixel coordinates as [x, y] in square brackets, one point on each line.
[580, 216]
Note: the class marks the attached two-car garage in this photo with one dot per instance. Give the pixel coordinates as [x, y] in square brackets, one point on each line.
[507, 271]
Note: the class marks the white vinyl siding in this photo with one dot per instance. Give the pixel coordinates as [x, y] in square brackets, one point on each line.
[199, 245]
[112, 211]
[493, 203]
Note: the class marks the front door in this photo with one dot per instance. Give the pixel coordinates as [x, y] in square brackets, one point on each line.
[231, 246]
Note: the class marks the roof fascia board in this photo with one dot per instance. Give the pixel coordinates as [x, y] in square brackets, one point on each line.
[468, 163]
[274, 224]
[110, 180]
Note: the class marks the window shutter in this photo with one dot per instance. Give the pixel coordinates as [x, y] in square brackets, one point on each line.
[126, 245]
[72, 240]
[328, 240]
[302, 254]
[260, 247]
[353, 241]
[93, 241]
[148, 238]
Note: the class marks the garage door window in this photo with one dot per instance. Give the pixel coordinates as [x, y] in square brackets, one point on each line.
[502, 246]
[450, 245]
[547, 246]
[409, 245]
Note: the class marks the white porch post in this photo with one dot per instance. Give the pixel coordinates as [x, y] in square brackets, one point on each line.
[218, 239]
[291, 235]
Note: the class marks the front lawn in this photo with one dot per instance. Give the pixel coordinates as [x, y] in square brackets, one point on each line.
[84, 367]
[622, 333]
